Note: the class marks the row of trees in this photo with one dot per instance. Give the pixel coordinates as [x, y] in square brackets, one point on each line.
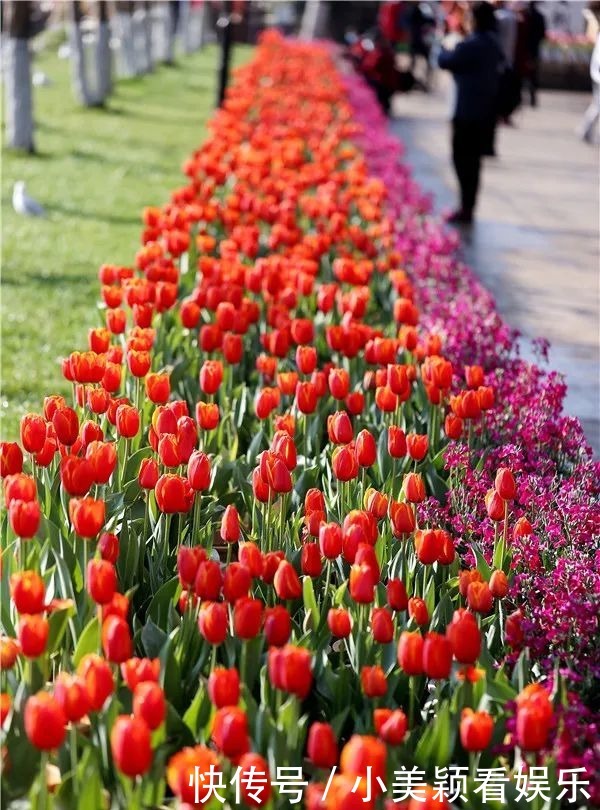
[146, 32]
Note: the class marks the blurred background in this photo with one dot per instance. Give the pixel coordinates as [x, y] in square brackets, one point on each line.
[102, 101]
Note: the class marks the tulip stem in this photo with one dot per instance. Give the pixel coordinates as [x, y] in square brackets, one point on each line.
[411, 701]
[42, 802]
[73, 752]
[505, 530]
[327, 581]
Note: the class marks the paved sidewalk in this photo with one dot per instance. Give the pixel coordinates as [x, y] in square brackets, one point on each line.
[535, 241]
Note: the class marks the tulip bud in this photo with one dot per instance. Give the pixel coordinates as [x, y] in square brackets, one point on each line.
[373, 681]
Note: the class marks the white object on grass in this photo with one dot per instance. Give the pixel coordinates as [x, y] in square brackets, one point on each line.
[24, 204]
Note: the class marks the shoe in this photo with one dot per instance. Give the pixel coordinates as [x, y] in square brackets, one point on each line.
[460, 217]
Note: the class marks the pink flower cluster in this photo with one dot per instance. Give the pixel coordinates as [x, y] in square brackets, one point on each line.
[557, 568]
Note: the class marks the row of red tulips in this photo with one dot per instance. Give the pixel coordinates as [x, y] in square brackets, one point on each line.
[222, 585]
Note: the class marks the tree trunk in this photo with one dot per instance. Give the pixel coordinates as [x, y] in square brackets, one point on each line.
[127, 48]
[171, 20]
[185, 26]
[314, 20]
[103, 54]
[17, 77]
[79, 78]
[147, 36]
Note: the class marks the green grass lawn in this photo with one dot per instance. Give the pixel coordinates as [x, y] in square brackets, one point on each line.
[95, 171]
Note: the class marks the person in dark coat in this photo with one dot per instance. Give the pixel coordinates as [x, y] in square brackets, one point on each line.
[475, 65]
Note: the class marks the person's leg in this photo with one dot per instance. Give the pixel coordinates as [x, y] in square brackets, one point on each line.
[591, 115]
[466, 158]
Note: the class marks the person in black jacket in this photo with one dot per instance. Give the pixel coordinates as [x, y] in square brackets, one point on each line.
[475, 64]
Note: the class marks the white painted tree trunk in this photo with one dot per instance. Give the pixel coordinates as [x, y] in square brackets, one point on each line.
[170, 31]
[185, 26]
[200, 25]
[314, 20]
[103, 63]
[147, 28]
[81, 87]
[128, 61]
[18, 94]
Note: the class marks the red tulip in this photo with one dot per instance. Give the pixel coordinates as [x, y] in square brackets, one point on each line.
[365, 449]
[230, 525]
[373, 681]
[149, 704]
[339, 428]
[391, 726]
[498, 584]
[213, 621]
[131, 747]
[70, 692]
[310, 560]
[339, 622]
[479, 597]
[344, 463]
[116, 639]
[417, 446]
[322, 746]
[87, 516]
[211, 376]
[505, 485]
[464, 636]
[230, 731]
[437, 656]
[476, 730]
[44, 722]
[173, 494]
[32, 632]
[382, 625]
[158, 388]
[98, 678]
[33, 432]
[414, 488]
[11, 459]
[224, 687]
[410, 653]
[27, 591]
[290, 669]
[396, 594]
[127, 421]
[278, 626]
[24, 517]
[101, 581]
[286, 582]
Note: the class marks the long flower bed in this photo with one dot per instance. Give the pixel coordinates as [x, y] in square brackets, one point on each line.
[310, 532]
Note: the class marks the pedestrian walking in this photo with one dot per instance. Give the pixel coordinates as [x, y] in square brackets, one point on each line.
[592, 114]
[475, 64]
